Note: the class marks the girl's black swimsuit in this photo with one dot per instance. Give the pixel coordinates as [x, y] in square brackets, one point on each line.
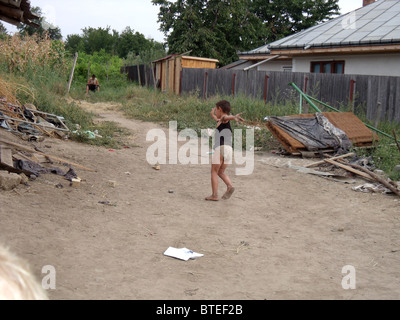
[223, 135]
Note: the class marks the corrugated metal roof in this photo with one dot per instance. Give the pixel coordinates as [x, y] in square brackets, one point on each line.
[17, 11]
[376, 23]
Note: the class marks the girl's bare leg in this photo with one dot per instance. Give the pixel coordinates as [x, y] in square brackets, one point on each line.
[215, 168]
[227, 181]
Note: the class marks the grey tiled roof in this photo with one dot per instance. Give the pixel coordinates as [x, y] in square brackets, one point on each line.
[377, 23]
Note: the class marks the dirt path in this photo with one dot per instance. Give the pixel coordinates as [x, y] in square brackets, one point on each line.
[283, 234]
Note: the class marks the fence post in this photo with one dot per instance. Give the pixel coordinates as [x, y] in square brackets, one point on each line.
[378, 114]
[152, 68]
[72, 73]
[233, 85]
[88, 71]
[352, 90]
[180, 82]
[205, 85]
[266, 89]
[108, 68]
[301, 98]
[138, 71]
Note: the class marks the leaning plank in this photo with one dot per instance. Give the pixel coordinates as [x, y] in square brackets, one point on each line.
[21, 147]
[35, 124]
[7, 163]
[395, 138]
[6, 156]
[14, 170]
[348, 168]
[377, 178]
[50, 115]
[334, 158]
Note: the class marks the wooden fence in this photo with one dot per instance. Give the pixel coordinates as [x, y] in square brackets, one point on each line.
[142, 74]
[377, 97]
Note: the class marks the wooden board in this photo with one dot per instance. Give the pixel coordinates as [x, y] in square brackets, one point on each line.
[355, 129]
[6, 156]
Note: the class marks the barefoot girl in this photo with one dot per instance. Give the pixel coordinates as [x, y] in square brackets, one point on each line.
[223, 148]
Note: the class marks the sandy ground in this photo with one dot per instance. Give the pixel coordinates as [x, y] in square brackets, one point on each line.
[282, 235]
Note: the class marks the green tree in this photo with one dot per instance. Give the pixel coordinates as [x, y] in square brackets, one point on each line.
[282, 18]
[45, 29]
[218, 29]
[213, 28]
[3, 29]
[130, 41]
[74, 43]
[156, 51]
[101, 38]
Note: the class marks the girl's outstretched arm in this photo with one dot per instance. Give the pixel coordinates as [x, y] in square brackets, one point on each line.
[237, 118]
[213, 115]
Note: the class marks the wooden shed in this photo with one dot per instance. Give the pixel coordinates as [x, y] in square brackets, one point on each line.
[168, 70]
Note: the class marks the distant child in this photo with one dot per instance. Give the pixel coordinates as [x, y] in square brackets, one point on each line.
[223, 148]
[93, 84]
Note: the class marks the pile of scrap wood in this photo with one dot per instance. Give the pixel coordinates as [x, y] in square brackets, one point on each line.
[29, 123]
[16, 159]
[320, 133]
[360, 168]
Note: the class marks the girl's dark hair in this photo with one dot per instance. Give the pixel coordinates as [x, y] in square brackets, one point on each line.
[225, 106]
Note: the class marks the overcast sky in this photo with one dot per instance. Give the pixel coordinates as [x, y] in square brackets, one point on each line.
[141, 15]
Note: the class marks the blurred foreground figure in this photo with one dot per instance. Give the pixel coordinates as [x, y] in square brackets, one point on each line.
[17, 282]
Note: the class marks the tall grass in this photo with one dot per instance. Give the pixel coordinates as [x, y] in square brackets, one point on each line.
[192, 112]
[35, 70]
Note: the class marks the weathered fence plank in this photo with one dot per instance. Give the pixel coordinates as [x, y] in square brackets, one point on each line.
[272, 86]
[333, 89]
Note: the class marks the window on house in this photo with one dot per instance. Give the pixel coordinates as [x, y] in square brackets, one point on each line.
[327, 67]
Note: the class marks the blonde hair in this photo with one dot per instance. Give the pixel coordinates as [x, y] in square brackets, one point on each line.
[17, 282]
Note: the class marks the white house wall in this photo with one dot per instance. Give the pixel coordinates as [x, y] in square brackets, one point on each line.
[268, 66]
[275, 65]
[371, 64]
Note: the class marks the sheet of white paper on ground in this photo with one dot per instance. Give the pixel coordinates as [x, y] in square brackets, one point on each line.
[182, 254]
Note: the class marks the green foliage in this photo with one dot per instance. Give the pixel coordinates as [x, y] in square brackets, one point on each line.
[95, 40]
[145, 57]
[213, 29]
[386, 156]
[282, 18]
[101, 64]
[3, 29]
[219, 29]
[45, 28]
[41, 78]
[128, 43]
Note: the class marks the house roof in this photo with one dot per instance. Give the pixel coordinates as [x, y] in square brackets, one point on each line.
[185, 57]
[17, 11]
[374, 24]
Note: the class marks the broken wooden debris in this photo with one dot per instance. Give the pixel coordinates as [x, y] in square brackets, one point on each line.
[30, 122]
[377, 178]
[23, 148]
[315, 164]
[19, 160]
[359, 170]
[357, 132]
